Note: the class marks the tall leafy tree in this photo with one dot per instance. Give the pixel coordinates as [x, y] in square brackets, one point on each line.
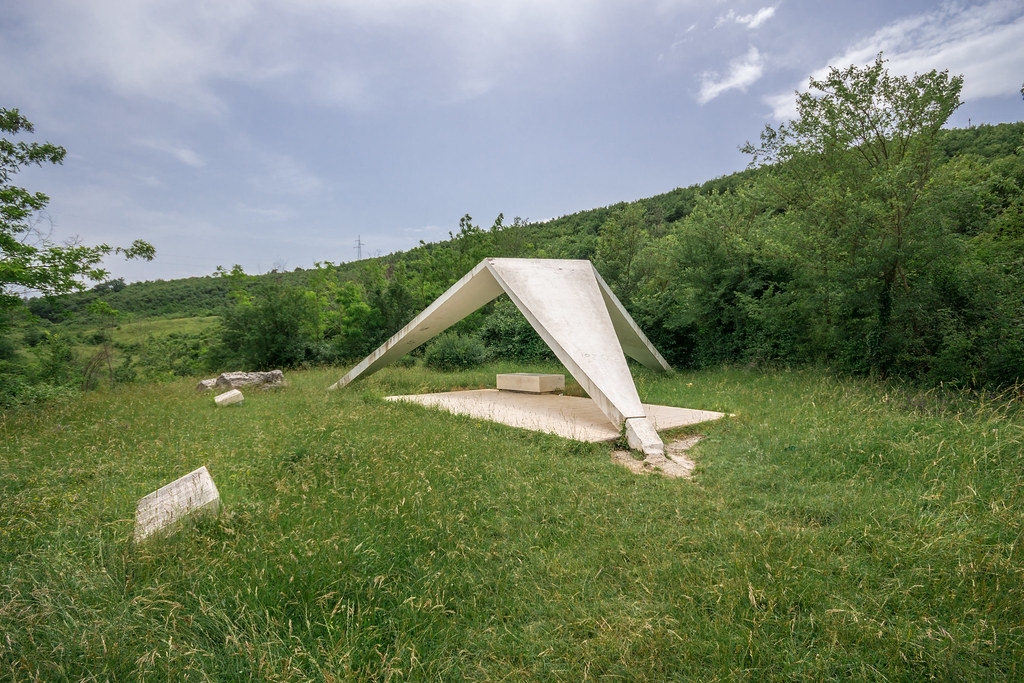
[29, 260]
[622, 239]
[850, 173]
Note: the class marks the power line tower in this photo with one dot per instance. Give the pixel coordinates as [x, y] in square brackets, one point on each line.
[359, 248]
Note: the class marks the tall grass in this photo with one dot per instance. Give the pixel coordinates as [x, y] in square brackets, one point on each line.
[835, 529]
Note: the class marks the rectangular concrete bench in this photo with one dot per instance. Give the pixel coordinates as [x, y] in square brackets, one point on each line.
[531, 382]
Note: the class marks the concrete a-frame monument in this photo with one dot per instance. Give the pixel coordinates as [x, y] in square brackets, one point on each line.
[575, 313]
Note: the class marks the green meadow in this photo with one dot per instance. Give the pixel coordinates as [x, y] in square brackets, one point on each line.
[835, 529]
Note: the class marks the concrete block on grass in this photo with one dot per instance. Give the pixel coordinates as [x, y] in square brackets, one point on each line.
[531, 382]
[193, 494]
[229, 398]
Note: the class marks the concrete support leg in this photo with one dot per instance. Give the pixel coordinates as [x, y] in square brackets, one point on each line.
[641, 436]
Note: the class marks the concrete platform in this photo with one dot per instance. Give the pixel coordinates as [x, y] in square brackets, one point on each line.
[568, 416]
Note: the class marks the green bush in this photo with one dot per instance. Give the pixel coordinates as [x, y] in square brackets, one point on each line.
[8, 349]
[179, 354]
[16, 390]
[268, 332]
[509, 336]
[453, 351]
[406, 361]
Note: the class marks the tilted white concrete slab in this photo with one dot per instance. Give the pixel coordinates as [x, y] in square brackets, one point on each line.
[569, 416]
[575, 313]
[229, 398]
[475, 289]
[188, 495]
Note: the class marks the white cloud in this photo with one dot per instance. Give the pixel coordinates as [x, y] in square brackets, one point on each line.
[983, 42]
[346, 54]
[286, 176]
[265, 214]
[743, 72]
[751, 21]
[178, 152]
[164, 51]
[427, 230]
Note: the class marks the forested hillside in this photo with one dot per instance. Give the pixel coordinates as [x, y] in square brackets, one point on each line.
[863, 237]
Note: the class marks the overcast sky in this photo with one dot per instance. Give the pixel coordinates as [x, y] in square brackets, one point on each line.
[273, 134]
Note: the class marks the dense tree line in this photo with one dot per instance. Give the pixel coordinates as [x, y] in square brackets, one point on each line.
[864, 237]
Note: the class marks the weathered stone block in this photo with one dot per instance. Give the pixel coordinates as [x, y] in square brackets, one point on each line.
[229, 397]
[532, 382]
[192, 494]
[263, 380]
[206, 384]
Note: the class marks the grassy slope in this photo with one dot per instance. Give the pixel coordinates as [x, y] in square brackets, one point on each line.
[142, 329]
[139, 330]
[835, 529]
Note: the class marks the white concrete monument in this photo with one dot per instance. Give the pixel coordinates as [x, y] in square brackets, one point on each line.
[185, 496]
[575, 313]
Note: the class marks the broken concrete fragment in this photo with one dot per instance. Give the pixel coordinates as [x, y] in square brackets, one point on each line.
[229, 397]
[206, 384]
[189, 495]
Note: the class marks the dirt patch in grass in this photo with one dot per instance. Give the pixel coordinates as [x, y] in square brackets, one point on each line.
[675, 463]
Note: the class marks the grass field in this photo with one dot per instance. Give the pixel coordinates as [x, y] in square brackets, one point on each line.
[834, 530]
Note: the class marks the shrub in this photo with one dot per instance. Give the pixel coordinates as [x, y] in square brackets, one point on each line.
[268, 332]
[16, 390]
[34, 336]
[453, 351]
[509, 335]
[8, 349]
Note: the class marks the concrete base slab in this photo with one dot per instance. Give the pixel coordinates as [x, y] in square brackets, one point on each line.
[568, 416]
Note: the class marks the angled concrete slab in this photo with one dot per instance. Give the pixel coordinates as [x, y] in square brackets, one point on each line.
[571, 417]
[564, 303]
[229, 398]
[186, 496]
[575, 313]
[475, 289]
